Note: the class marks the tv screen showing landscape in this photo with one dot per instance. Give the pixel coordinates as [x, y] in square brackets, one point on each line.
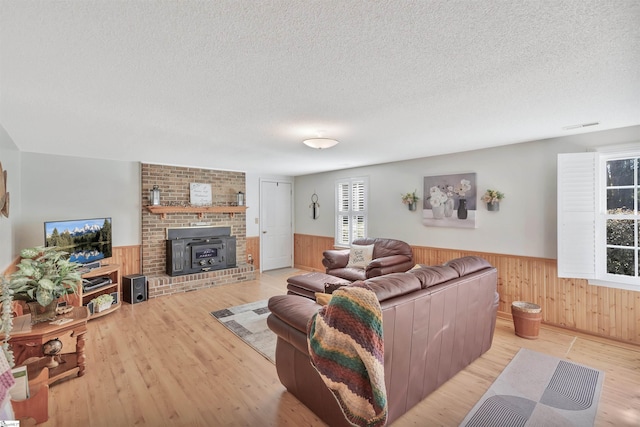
[86, 240]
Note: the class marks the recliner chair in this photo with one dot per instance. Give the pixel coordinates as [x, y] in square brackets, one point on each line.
[389, 256]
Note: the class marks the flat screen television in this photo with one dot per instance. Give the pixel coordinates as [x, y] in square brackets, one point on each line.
[86, 240]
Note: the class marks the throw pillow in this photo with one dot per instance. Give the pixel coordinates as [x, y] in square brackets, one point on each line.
[323, 299]
[360, 256]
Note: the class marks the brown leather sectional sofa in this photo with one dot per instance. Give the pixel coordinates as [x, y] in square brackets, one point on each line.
[436, 321]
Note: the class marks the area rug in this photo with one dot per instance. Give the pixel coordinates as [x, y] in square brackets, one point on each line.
[249, 323]
[536, 389]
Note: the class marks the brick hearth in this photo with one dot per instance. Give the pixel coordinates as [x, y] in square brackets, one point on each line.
[166, 285]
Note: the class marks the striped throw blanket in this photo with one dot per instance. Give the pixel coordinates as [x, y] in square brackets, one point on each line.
[347, 350]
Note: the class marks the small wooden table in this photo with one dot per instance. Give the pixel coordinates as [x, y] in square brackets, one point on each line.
[28, 344]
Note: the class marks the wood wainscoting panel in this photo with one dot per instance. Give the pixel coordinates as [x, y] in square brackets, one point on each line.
[307, 251]
[568, 303]
[127, 256]
[253, 249]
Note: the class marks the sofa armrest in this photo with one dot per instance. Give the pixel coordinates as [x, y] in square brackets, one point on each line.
[294, 310]
[289, 317]
[335, 258]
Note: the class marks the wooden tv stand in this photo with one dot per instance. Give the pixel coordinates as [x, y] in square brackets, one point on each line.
[111, 270]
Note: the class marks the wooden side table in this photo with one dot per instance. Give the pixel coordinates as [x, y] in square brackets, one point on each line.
[28, 344]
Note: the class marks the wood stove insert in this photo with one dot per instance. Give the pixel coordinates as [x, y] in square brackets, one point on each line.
[199, 249]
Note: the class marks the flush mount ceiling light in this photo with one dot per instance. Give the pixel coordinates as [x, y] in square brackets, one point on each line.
[320, 143]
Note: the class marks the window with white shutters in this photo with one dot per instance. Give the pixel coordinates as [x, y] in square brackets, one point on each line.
[599, 218]
[351, 210]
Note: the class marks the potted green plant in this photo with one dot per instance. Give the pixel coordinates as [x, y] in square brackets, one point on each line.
[492, 198]
[410, 199]
[6, 318]
[102, 302]
[44, 275]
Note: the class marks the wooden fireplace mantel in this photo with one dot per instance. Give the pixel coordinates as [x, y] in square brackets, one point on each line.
[200, 210]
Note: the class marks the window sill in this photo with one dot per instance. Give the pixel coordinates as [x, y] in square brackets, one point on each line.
[616, 285]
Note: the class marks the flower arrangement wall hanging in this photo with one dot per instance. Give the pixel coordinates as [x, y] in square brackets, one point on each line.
[492, 198]
[450, 200]
[410, 199]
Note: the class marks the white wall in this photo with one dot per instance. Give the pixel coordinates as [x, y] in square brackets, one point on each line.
[47, 187]
[62, 187]
[10, 159]
[526, 173]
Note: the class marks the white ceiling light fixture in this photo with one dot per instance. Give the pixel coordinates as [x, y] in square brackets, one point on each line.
[320, 143]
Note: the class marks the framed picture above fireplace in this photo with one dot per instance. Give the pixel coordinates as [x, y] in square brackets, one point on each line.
[200, 194]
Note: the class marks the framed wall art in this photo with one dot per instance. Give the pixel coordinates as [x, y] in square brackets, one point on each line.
[450, 200]
[200, 194]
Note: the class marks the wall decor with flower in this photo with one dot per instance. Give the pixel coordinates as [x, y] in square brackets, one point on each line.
[450, 200]
[410, 199]
[492, 198]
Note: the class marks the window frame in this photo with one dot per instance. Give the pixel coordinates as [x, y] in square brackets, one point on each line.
[350, 213]
[601, 274]
[582, 217]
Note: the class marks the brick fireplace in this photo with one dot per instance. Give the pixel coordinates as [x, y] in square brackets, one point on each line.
[174, 183]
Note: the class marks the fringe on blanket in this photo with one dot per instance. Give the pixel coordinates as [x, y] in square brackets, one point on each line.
[347, 349]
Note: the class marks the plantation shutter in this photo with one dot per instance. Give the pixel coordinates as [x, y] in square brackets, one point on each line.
[351, 217]
[359, 212]
[342, 235]
[577, 204]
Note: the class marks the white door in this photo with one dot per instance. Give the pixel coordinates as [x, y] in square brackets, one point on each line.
[276, 242]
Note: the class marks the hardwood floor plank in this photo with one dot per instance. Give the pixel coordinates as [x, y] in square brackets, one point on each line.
[168, 362]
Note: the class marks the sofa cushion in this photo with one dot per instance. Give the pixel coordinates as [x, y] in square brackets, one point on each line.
[350, 274]
[433, 275]
[360, 256]
[393, 285]
[386, 247]
[468, 264]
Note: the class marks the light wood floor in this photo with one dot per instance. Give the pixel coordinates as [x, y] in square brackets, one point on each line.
[167, 362]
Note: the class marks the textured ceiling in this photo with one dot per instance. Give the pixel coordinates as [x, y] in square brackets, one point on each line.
[237, 85]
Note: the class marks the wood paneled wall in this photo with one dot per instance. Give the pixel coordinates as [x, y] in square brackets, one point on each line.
[568, 303]
[253, 249]
[127, 256]
[307, 251]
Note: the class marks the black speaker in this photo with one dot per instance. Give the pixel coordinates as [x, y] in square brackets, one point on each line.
[134, 288]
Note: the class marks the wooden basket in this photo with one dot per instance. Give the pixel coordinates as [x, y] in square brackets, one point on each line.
[526, 319]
